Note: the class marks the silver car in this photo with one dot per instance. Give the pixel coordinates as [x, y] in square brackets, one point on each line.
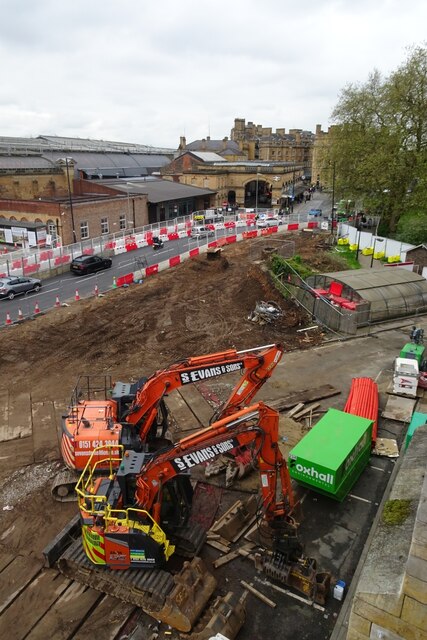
[12, 286]
[201, 232]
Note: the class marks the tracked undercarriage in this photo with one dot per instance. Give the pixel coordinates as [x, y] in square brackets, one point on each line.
[178, 599]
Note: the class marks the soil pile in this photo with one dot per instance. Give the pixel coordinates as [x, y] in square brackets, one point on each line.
[201, 306]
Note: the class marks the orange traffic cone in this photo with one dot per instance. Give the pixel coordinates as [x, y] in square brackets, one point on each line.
[77, 297]
[37, 308]
[8, 319]
[20, 315]
[96, 291]
[57, 303]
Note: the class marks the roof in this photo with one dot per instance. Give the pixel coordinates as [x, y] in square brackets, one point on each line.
[223, 147]
[57, 143]
[362, 280]
[207, 156]
[95, 158]
[158, 190]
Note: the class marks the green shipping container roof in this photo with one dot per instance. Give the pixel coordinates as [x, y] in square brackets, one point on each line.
[331, 439]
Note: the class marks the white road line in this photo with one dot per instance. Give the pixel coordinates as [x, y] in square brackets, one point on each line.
[351, 495]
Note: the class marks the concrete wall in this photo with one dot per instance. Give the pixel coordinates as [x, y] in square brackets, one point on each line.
[390, 601]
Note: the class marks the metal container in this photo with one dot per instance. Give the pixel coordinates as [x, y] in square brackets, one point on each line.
[333, 454]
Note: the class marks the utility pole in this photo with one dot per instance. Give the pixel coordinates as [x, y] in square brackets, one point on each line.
[71, 202]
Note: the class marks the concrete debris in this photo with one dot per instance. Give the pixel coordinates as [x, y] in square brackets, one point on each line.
[265, 313]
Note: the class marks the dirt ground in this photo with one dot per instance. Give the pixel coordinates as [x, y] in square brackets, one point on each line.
[201, 306]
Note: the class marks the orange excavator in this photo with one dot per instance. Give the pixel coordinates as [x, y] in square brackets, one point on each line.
[135, 416]
[136, 521]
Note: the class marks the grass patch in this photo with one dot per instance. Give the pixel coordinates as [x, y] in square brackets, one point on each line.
[396, 511]
[348, 257]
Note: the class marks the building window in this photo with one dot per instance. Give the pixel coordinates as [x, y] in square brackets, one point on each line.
[122, 221]
[104, 226]
[84, 230]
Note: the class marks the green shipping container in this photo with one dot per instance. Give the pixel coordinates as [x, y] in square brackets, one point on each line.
[333, 454]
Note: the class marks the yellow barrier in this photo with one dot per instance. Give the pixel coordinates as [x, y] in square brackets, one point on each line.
[353, 247]
[368, 251]
[393, 259]
[343, 241]
[378, 255]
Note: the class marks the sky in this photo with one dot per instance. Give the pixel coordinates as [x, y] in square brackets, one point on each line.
[150, 72]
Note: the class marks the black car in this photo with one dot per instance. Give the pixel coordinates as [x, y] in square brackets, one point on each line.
[82, 265]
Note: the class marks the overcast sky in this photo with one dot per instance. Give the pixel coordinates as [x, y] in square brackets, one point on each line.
[149, 72]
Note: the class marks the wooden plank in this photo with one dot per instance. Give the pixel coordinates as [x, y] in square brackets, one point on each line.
[110, 615]
[258, 594]
[217, 545]
[5, 559]
[295, 410]
[398, 408]
[4, 414]
[218, 523]
[18, 424]
[15, 577]
[244, 529]
[31, 605]
[306, 395]
[227, 558]
[15, 454]
[44, 431]
[181, 413]
[197, 403]
[63, 619]
[306, 411]
[61, 409]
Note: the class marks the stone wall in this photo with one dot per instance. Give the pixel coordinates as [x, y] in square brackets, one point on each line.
[390, 601]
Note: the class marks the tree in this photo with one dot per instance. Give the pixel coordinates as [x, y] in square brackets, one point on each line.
[379, 142]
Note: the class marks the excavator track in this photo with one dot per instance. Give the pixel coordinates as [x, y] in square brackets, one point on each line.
[175, 599]
[63, 487]
[189, 540]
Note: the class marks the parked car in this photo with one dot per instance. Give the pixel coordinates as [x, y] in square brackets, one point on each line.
[82, 265]
[268, 222]
[315, 213]
[201, 232]
[13, 286]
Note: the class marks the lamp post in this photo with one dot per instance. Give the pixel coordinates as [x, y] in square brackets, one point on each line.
[256, 192]
[333, 192]
[71, 201]
[373, 251]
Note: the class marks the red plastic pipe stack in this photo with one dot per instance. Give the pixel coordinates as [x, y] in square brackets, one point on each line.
[363, 401]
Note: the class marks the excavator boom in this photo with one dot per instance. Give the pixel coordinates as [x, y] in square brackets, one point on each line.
[134, 415]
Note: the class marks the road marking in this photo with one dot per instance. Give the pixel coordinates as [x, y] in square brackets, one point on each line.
[351, 495]
[377, 468]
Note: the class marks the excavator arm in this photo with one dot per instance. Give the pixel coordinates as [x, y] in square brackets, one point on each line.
[257, 425]
[255, 365]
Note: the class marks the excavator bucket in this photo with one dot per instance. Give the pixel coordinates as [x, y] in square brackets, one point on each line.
[225, 617]
[193, 588]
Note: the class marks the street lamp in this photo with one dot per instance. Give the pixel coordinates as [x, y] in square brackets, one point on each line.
[256, 192]
[373, 251]
[333, 192]
[66, 160]
[71, 200]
